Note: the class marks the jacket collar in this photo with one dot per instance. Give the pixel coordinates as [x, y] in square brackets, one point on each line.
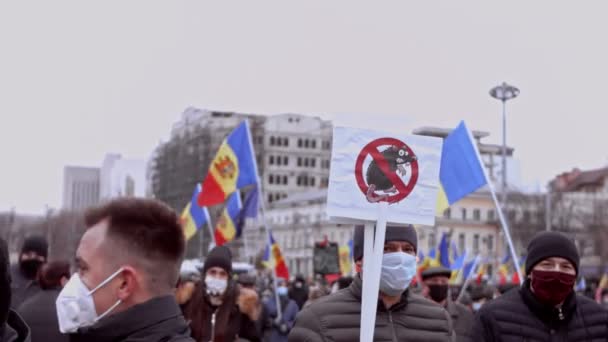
[356, 288]
[547, 313]
[125, 323]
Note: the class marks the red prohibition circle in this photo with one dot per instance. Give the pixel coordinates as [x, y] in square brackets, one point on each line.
[371, 149]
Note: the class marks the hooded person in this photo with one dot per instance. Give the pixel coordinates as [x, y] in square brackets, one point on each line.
[299, 291]
[221, 310]
[401, 314]
[546, 307]
[33, 255]
[276, 328]
[435, 282]
[12, 327]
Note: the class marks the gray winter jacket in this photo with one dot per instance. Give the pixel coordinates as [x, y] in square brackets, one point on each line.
[338, 318]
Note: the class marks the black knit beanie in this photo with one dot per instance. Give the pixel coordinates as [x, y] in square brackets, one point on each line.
[35, 244]
[393, 233]
[220, 256]
[551, 244]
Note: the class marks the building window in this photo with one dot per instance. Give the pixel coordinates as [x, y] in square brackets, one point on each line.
[477, 215]
[447, 213]
[285, 160]
[312, 181]
[476, 243]
[490, 243]
[299, 161]
[285, 181]
[491, 215]
[313, 144]
[299, 142]
[305, 162]
[324, 182]
[272, 141]
[461, 242]
[269, 198]
[270, 179]
[286, 142]
[271, 160]
[464, 214]
[313, 162]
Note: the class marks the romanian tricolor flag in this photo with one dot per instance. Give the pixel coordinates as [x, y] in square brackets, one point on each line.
[225, 226]
[194, 217]
[233, 168]
[461, 171]
[274, 258]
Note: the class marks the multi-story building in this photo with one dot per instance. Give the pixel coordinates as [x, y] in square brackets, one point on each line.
[80, 187]
[122, 177]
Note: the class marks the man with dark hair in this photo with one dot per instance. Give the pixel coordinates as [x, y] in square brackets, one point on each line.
[33, 255]
[401, 314]
[128, 265]
[545, 308]
[436, 287]
[12, 327]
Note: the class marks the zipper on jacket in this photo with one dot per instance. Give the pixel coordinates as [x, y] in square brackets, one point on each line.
[390, 319]
[560, 314]
[212, 327]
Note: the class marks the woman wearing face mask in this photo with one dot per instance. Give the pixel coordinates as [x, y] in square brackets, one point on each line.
[277, 328]
[401, 316]
[546, 308]
[221, 311]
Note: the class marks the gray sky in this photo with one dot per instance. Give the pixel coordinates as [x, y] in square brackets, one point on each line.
[79, 79]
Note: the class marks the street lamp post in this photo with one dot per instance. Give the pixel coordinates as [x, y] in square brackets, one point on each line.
[504, 92]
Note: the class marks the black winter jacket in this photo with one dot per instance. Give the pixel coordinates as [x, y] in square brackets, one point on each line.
[337, 318]
[40, 314]
[519, 316]
[157, 320]
[462, 321]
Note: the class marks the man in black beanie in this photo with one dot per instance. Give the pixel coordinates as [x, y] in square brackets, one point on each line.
[545, 308]
[12, 327]
[33, 255]
[402, 315]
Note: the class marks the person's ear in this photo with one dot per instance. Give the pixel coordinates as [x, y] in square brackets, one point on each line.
[129, 283]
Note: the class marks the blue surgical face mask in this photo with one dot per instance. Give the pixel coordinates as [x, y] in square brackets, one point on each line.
[282, 291]
[398, 270]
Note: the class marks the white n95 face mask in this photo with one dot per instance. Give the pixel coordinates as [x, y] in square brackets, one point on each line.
[76, 307]
[398, 270]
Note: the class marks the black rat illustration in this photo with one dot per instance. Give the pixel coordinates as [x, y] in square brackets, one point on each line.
[398, 158]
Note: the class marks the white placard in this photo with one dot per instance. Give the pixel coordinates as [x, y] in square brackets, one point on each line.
[370, 167]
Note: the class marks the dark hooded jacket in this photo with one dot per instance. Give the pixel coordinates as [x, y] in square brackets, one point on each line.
[12, 327]
[157, 320]
[519, 316]
[338, 318]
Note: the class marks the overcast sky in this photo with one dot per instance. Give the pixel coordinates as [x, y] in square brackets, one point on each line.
[79, 79]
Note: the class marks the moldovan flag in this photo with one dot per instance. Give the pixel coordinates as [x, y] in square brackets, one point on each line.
[274, 258]
[461, 171]
[225, 226]
[194, 217]
[233, 167]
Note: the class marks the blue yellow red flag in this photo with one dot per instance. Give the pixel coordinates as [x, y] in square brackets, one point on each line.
[225, 227]
[233, 167]
[193, 216]
[461, 171]
[275, 259]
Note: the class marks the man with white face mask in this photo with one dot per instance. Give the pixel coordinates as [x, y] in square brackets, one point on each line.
[128, 265]
[401, 315]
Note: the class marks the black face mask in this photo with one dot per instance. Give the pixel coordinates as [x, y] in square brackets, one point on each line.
[438, 293]
[30, 267]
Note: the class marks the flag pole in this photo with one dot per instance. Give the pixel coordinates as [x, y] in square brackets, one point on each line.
[264, 222]
[468, 278]
[201, 238]
[503, 222]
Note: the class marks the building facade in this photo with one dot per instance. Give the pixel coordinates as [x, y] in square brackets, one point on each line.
[80, 187]
[122, 177]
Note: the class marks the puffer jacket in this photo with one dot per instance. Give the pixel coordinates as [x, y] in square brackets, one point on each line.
[462, 321]
[338, 318]
[519, 316]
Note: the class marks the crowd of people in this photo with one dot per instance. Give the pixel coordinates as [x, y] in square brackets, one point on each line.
[127, 283]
